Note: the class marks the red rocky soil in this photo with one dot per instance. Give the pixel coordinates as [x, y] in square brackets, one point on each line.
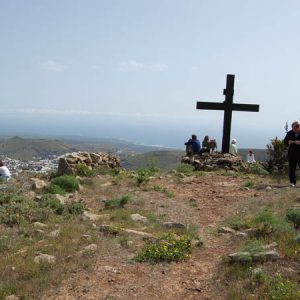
[203, 201]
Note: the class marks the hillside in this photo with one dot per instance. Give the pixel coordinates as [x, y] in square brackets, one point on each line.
[168, 237]
[20, 148]
[164, 159]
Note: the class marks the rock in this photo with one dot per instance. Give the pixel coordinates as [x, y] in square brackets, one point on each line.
[139, 233]
[241, 234]
[196, 243]
[227, 230]
[54, 233]
[108, 229]
[64, 168]
[91, 247]
[138, 218]
[174, 225]
[298, 199]
[240, 257]
[12, 297]
[39, 225]
[31, 194]
[297, 238]
[44, 258]
[270, 246]
[38, 184]
[266, 256]
[62, 199]
[268, 188]
[88, 216]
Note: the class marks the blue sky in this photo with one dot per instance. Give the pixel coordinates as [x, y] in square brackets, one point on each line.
[135, 69]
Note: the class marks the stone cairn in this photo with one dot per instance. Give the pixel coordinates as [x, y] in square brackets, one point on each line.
[67, 165]
[213, 161]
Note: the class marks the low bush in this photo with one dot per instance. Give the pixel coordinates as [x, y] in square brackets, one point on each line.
[84, 170]
[16, 212]
[254, 168]
[160, 189]
[185, 169]
[52, 203]
[293, 215]
[66, 182]
[117, 202]
[55, 189]
[75, 208]
[168, 247]
[143, 177]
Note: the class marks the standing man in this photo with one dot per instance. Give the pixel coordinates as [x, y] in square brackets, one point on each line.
[292, 140]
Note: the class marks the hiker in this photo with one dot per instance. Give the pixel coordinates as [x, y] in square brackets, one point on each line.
[233, 149]
[4, 172]
[292, 140]
[250, 157]
[193, 146]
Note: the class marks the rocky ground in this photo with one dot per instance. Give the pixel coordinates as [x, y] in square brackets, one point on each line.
[201, 202]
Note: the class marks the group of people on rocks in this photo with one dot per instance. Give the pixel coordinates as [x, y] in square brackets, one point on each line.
[193, 145]
[291, 140]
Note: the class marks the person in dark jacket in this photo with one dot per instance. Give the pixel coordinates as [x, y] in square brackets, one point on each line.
[193, 145]
[292, 140]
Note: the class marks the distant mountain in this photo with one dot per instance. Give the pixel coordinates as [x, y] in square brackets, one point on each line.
[164, 159]
[20, 148]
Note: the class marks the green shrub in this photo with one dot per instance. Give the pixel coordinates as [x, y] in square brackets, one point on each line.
[185, 169]
[52, 203]
[280, 288]
[160, 189]
[293, 215]
[254, 168]
[84, 170]
[55, 189]
[75, 208]
[249, 184]
[15, 212]
[117, 202]
[107, 171]
[143, 177]
[238, 223]
[277, 157]
[268, 223]
[66, 182]
[168, 247]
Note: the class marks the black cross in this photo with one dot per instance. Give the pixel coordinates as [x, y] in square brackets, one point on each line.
[228, 106]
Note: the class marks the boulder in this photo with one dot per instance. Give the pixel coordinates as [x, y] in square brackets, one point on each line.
[138, 218]
[38, 184]
[64, 167]
[44, 258]
[174, 225]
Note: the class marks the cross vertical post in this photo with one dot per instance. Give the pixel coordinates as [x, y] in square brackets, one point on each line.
[228, 92]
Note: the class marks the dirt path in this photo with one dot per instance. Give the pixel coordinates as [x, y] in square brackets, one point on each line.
[203, 201]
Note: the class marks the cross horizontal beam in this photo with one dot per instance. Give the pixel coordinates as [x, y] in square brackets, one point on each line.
[221, 106]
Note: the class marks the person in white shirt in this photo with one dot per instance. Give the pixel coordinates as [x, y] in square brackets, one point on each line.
[250, 157]
[233, 148]
[4, 172]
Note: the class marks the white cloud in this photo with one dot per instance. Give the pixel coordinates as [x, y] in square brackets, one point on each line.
[133, 65]
[54, 66]
[66, 112]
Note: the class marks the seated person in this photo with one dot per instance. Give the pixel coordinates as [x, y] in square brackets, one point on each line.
[213, 145]
[193, 146]
[4, 172]
[205, 145]
[250, 157]
[233, 150]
